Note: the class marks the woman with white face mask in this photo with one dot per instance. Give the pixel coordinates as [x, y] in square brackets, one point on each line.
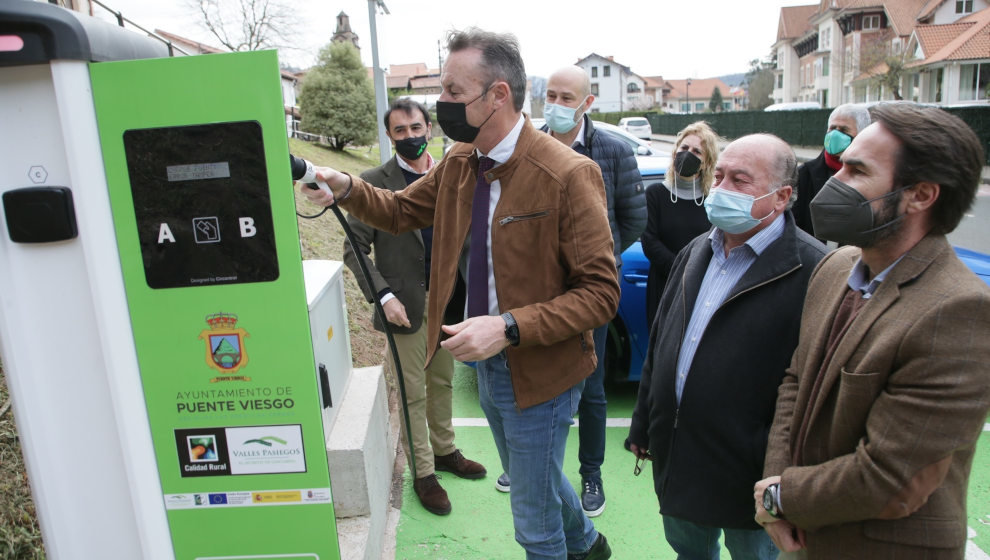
[675, 211]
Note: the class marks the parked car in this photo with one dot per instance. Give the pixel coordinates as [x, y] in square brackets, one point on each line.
[650, 160]
[637, 126]
[652, 163]
[629, 333]
[794, 106]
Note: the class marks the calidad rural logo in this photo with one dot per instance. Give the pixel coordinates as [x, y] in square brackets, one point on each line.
[225, 350]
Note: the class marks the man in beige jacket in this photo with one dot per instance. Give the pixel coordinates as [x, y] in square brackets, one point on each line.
[878, 416]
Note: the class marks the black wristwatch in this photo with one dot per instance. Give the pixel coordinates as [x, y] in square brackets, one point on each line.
[771, 500]
[511, 329]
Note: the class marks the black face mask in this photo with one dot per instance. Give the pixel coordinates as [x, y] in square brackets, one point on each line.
[452, 118]
[686, 164]
[412, 147]
[842, 214]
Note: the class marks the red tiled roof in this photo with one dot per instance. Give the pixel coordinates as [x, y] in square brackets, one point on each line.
[415, 69]
[971, 39]
[396, 82]
[702, 88]
[929, 9]
[794, 21]
[189, 44]
[934, 37]
[902, 15]
[425, 82]
[654, 81]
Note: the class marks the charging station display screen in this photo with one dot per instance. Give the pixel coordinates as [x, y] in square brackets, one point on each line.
[202, 205]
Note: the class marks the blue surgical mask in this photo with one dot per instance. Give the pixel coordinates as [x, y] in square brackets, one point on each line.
[732, 212]
[559, 118]
[836, 141]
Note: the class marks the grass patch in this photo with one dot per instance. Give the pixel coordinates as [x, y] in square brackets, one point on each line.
[321, 238]
[20, 535]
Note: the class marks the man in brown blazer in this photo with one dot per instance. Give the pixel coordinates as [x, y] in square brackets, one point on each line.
[879, 413]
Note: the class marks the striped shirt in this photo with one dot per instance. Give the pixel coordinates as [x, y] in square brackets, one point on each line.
[722, 275]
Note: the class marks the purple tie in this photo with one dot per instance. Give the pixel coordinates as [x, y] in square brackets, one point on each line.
[478, 259]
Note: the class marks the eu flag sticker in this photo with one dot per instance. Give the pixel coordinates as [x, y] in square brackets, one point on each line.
[218, 499]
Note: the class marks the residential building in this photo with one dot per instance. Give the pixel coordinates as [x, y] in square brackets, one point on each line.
[693, 95]
[657, 89]
[952, 60]
[415, 81]
[290, 81]
[615, 86]
[842, 51]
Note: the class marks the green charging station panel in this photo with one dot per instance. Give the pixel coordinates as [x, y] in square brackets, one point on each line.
[197, 167]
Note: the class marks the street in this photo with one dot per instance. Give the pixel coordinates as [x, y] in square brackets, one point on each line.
[480, 525]
[974, 230]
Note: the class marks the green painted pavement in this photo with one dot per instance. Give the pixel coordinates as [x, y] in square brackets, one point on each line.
[480, 525]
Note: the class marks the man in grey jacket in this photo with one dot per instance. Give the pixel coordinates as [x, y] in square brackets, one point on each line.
[722, 338]
[400, 276]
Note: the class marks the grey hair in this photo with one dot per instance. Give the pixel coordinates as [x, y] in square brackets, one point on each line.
[500, 58]
[785, 169]
[855, 111]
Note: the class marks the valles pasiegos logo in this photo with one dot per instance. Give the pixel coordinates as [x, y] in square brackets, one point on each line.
[267, 441]
[225, 351]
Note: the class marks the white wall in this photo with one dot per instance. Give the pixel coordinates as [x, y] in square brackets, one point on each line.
[610, 93]
[946, 13]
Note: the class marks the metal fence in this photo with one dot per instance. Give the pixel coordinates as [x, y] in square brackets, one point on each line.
[800, 128]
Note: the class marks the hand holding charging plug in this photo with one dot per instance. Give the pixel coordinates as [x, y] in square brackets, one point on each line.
[323, 185]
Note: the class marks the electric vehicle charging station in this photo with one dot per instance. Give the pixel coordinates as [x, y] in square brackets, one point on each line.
[153, 315]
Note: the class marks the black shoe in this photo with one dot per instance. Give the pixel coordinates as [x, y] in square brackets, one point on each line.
[598, 551]
[592, 497]
[503, 484]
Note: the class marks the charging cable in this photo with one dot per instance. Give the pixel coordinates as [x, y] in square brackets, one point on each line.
[302, 171]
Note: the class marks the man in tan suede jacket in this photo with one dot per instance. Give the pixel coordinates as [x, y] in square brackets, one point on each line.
[879, 413]
[521, 218]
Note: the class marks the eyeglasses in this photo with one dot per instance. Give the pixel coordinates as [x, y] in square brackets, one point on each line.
[640, 461]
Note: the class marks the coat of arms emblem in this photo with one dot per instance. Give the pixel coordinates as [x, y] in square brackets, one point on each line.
[225, 351]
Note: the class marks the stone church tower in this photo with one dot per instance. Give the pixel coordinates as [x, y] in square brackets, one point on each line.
[343, 33]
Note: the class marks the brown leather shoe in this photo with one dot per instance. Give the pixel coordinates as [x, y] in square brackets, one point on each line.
[456, 463]
[432, 495]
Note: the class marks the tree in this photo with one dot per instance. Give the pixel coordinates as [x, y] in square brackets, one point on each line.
[337, 99]
[883, 65]
[246, 25]
[537, 95]
[715, 103]
[760, 82]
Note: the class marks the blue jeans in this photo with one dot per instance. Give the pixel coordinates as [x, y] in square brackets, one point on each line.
[699, 542]
[591, 414]
[546, 512]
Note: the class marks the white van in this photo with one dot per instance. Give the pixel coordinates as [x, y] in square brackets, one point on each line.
[794, 106]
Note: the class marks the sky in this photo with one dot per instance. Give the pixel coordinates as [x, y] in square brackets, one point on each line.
[673, 38]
